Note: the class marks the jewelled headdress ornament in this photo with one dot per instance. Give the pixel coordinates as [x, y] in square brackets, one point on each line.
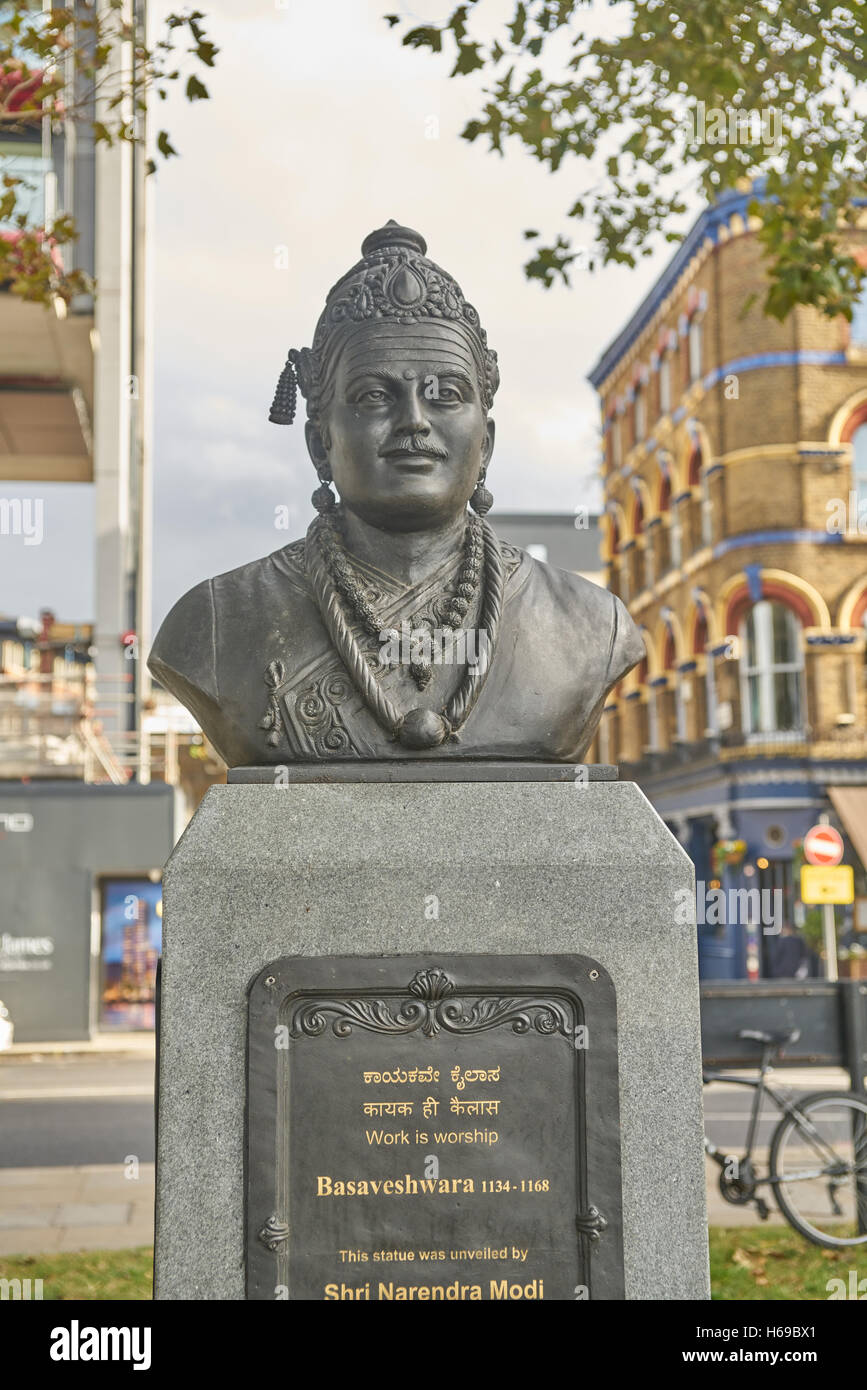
[394, 281]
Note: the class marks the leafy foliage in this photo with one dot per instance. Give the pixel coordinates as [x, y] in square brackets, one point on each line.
[92, 68]
[638, 105]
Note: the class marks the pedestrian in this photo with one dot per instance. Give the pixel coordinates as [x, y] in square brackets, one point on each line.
[789, 956]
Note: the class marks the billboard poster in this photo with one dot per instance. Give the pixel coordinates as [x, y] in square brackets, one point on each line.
[131, 944]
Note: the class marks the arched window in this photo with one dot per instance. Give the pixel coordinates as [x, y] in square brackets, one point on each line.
[694, 468]
[694, 349]
[675, 540]
[700, 518]
[771, 670]
[859, 466]
[640, 417]
[673, 703]
[705, 716]
[642, 578]
[706, 511]
[665, 384]
[674, 546]
[617, 577]
[665, 493]
[651, 707]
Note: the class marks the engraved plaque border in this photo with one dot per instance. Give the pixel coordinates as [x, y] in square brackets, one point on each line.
[396, 995]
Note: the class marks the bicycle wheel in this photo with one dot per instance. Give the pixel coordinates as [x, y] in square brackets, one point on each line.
[818, 1168]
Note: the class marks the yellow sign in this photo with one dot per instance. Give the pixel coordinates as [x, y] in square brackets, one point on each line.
[822, 883]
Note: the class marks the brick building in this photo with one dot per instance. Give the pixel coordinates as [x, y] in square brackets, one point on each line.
[735, 469]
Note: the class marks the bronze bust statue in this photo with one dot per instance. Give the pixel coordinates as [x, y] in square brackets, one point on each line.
[399, 626]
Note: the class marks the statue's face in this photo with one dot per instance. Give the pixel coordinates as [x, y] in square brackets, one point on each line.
[405, 432]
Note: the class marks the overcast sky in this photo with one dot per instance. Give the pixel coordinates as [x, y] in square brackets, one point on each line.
[318, 130]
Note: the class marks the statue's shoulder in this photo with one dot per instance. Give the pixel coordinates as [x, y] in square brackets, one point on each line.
[595, 619]
[210, 619]
[183, 654]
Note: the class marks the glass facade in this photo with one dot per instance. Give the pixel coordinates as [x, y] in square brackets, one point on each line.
[25, 162]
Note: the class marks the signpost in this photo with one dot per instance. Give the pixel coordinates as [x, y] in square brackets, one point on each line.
[823, 845]
[832, 885]
[824, 880]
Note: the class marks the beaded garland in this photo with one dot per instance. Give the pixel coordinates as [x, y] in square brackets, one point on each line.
[418, 728]
[454, 607]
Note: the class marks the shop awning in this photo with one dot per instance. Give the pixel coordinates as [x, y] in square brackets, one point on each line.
[850, 803]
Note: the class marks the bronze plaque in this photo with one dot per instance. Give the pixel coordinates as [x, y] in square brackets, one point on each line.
[433, 1128]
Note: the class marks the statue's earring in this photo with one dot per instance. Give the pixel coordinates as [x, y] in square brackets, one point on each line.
[323, 498]
[482, 499]
[318, 443]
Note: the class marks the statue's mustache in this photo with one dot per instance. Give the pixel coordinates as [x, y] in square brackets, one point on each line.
[415, 444]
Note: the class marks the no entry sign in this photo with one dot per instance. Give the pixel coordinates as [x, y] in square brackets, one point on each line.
[823, 845]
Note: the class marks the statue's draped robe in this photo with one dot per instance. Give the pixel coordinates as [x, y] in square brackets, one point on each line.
[563, 643]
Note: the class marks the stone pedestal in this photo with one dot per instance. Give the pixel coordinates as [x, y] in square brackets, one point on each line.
[377, 868]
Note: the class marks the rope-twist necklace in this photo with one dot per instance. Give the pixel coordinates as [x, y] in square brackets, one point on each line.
[331, 576]
[453, 608]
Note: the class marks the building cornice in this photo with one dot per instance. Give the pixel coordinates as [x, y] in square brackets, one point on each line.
[711, 226]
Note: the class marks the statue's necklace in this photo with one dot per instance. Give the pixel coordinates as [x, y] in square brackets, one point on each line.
[453, 606]
[332, 576]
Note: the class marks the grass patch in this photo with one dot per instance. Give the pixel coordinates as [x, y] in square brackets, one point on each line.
[94, 1274]
[774, 1262]
[746, 1263]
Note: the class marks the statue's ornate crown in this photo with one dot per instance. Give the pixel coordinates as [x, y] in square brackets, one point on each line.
[394, 281]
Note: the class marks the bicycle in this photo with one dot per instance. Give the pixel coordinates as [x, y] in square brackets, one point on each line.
[817, 1163]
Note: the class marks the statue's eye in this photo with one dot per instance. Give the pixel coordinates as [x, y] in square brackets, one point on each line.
[375, 394]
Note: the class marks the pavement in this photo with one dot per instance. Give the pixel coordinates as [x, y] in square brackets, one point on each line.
[141, 1044]
[104, 1206]
[65, 1097]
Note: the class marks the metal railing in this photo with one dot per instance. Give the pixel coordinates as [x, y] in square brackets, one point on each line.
[831, 1017]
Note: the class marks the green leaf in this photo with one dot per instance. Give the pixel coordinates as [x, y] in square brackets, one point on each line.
[518, 27]
[428, 37]
[196, 90]
[164, 145]
[468, 60]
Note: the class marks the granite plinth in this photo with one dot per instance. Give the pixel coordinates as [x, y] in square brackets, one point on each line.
[348, 868]
[425, 770]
